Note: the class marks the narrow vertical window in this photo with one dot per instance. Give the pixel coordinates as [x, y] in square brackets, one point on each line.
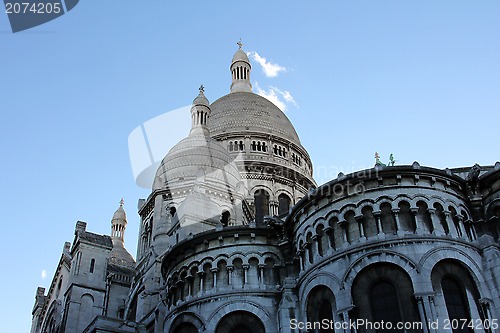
[92, 264]
[283, 204]
[261, 201]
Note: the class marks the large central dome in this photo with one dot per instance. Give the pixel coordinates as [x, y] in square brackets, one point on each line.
[248, 112]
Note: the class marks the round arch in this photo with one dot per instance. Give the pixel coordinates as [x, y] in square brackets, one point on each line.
[384, 292]
[240, 322]
[244, 306]
[186, 322]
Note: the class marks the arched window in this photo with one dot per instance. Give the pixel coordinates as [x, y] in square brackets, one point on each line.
[384, 291]
[225, 216]
[283, 204]
[92, 264]
[240, 322]
[406, 218]
[452, 279]
[456, 302]
[261, 202]
[424, 217]
[320, 306]
[385, 304]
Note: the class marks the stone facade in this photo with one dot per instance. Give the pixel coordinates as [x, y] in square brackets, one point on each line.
[237, 237]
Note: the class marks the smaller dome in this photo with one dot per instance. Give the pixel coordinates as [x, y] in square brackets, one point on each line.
[201, 99]
[197, 156]
[120, 214]
[240, 55]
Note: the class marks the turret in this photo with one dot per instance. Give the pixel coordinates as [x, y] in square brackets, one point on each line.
[240, 71]
[118, 225]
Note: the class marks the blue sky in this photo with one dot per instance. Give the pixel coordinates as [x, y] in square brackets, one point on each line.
[420, 79]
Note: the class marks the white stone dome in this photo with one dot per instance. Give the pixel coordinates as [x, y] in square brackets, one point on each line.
[194, 157]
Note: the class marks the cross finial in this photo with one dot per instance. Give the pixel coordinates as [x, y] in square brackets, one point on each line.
[240, 44]
[201, 89]
[121, 202]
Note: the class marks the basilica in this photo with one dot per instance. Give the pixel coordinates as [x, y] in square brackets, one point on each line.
[236, 237]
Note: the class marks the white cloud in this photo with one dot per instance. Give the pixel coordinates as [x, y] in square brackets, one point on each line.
[44, 274]
[269, 68]
[277, 96]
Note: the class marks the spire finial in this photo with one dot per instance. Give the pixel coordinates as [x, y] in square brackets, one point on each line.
[201, 89]
[121, 202]
[240, 44]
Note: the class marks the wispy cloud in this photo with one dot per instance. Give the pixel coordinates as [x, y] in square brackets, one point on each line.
[44, 274]
[279, 97]
[269, 68]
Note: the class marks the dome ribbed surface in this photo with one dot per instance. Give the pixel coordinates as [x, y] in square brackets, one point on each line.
[248, 112]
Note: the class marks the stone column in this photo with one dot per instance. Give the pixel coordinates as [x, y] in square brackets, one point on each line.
[418, 228]
[486, 309]
[230, 269]
[399, 230]
[343, 314]
[462, 227]
[472, 229]
[343, 226]
[269, 146]
[436, 223]
[301, 264]
[214, 272]
[377, 214]
[202, 282]
[315, 249]
[451, 224]
[359, 219]
[245, 274]
[421, 312]
[247, 144]
[329, 233]
[189, 280]
[261, 274]
[272, 208]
